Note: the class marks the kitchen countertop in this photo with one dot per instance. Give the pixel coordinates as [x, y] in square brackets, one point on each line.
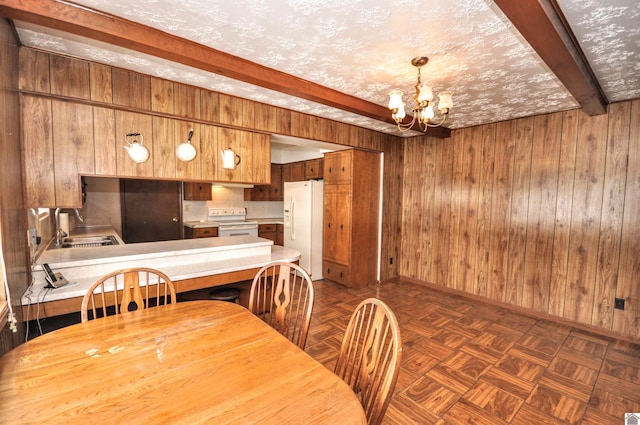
[200, 224]
[179, 259]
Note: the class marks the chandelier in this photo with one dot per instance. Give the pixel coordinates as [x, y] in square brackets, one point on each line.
[423, 112]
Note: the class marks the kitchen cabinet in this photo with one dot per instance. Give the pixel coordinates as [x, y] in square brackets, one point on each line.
[200, 232]
[310, 169]
[313, 169]
[196, 191]
[253, 151]
[273, 232]
[272, 192]
[350, 217]
[79, 114]
[293, 172]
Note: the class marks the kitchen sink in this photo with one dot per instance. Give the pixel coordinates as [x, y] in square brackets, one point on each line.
[88, 241]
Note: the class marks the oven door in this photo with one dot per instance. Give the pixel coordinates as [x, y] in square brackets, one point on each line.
[237, 230]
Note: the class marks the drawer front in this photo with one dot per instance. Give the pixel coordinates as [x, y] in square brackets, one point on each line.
[267, 227]
[336, 272]
[205, 232]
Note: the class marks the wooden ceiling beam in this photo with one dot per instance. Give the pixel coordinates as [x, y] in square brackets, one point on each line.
[544, 27]
[86, 22]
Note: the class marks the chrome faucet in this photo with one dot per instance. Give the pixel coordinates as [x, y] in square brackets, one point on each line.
[60, 234]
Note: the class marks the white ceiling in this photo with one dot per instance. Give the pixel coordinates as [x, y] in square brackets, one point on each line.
[363, 48]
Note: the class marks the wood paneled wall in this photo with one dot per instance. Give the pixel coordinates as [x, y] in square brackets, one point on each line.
[540, 213]
[12, 212]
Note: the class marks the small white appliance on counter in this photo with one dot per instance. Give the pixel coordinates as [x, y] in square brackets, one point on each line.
[303, 209]
[232, 222]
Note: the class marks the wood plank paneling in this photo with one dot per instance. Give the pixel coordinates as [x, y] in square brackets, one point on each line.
[101, 86]
[541, 210]
[69, 77]
[585, 217]
[612, 209]
[483, 238]
[13, 218]
[627, 321]
[562, 227]
[34, 71]
[564, 203]
[468, 218]
[501, 209]
[519, 208]
[131, 89]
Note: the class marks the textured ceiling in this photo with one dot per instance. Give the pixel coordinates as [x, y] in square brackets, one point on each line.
[363, 48]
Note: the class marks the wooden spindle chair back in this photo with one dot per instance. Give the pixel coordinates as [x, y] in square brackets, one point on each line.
[282, 295]
[127, 290]
[370, 354]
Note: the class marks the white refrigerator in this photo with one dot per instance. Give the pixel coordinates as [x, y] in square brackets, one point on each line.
[303, 208]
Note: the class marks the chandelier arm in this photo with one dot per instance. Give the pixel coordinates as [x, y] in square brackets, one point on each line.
[444, 118]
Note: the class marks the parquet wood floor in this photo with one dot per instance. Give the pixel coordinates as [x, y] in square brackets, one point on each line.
[466, 362]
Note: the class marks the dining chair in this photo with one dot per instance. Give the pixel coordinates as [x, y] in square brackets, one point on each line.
[370, 354]
[282, 295]
[127, 290]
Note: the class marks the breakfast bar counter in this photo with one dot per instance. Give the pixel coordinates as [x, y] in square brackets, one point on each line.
[190, 263]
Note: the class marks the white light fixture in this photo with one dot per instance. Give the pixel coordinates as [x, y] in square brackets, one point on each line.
[423, 112]
[136, 150]
[186, 151]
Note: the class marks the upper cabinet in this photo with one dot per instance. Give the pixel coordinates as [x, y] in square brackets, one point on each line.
[76, 116]
[272, 192]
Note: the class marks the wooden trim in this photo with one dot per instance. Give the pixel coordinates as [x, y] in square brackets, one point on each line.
[544, 27]
[520, 310]
[85, 22]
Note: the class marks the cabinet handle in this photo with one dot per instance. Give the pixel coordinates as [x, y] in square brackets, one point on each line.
[342, 227]
[343, 168]
[329, 225]
[340, 274]
[329, 169]
[312, 169]
[328, 270]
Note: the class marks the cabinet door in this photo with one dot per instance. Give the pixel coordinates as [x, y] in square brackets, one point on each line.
[197, 191]
[37, 144]
[313, 169]
[229, 139]
[276, 192]
[337, 167]
[267, 231]
[73, 150]
[293, 172]
[337, 224]
[130, 122]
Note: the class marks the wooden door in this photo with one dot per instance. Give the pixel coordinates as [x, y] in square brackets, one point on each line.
[150, 210]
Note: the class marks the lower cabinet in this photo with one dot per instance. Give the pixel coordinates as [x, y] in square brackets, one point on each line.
[200, 232]
[273, 232]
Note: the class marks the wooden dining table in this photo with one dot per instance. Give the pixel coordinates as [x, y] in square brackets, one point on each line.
[192, 362]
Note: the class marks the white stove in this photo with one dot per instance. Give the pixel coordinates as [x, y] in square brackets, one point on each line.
[232, 222]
